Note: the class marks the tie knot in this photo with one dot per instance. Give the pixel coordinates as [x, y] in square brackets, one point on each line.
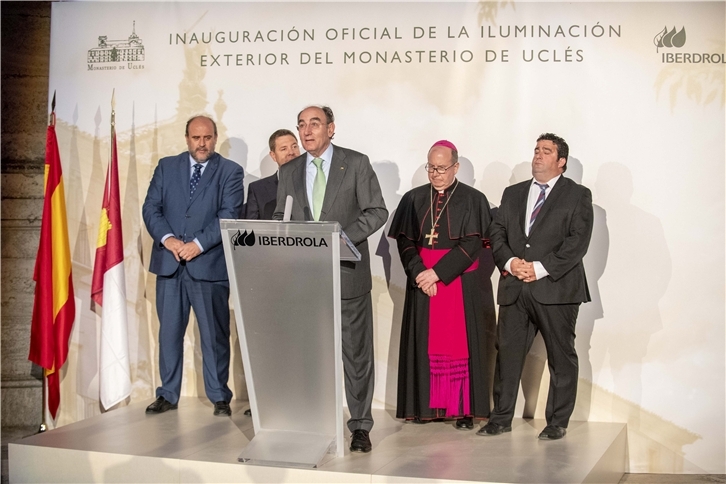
[542, 186]
[318, 162]
[197, 167]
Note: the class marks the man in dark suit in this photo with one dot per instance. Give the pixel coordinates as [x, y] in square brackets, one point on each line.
[539, 237]
[337, 184]
[187, 196]
[262, 194]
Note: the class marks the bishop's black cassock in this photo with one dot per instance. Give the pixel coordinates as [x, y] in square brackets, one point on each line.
[461, 228]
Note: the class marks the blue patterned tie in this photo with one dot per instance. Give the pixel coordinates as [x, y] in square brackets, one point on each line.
[538, 205]
[195, 179]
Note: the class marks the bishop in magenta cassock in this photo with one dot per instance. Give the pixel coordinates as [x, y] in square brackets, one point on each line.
[440, 228]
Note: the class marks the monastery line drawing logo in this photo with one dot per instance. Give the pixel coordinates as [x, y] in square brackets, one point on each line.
[128, 51]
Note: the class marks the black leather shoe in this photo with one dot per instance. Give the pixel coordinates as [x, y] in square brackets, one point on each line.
[466, 423]
[491, 429]
[161, 405]
[248, 412]
[552, 432]
[221, 409]
[360, 441]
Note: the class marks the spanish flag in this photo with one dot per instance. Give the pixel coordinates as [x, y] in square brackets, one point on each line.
[108, 290]
[54, 307]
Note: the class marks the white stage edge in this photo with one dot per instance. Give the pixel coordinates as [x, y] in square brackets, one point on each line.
[191, 445]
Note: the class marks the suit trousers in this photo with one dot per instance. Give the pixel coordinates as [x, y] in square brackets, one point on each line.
[175, 295]
[358, 365]
[518, 325]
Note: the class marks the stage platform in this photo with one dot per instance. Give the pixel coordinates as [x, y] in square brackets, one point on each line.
[191, 445]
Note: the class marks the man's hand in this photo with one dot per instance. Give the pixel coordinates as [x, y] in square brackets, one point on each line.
[189, 251]
[426, 281]
[523, 270]
[173, 245]
[430, 291]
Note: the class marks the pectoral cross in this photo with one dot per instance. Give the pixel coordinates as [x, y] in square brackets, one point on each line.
[431, 236]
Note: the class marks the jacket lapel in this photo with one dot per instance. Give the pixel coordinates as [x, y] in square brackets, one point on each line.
[522, 206]
[299, 185]
[338, 167]
[184, 174]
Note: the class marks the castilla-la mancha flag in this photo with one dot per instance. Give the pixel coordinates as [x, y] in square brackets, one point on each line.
[108, 290]
[54, 307]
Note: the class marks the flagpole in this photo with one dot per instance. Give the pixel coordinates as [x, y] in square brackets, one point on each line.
[113, 110]
[43, 424]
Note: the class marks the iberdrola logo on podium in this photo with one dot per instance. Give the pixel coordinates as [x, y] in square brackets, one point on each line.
[243, 239]
[248, 239]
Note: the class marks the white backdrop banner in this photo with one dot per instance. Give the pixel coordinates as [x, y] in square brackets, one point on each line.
[637, 89]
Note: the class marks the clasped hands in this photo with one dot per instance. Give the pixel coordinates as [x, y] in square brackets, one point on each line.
[523, 270]
[426, 281]
[181, 250]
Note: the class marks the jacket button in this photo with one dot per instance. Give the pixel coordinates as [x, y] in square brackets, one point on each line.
[187, 216]
[527, 246]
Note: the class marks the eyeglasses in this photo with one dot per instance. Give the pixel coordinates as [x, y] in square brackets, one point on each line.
[315, 125]
[438, 169]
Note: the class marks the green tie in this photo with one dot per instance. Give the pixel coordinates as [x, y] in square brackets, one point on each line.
[318, 188]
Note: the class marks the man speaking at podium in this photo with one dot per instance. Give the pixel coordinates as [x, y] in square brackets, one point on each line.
[330, 183]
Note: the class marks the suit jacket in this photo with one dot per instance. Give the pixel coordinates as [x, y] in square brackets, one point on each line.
[261, 199]
[168, 210]
[559, 239]
[353, 198]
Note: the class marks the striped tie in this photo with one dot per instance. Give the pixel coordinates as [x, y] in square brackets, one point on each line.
[538, 205]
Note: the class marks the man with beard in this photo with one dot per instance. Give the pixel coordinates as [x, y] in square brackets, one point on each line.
[188, 195]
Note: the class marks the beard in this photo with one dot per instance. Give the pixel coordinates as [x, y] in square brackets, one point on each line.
[201, 155]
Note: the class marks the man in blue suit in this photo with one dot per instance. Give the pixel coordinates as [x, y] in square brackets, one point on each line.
[187, 196]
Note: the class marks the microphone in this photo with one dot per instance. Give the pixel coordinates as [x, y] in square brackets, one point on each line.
[288, 209]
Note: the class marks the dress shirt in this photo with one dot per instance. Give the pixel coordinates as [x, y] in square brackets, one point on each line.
[311, 170]
[534, 191]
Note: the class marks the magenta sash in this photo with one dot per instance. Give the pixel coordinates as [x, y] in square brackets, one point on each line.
[448, 349]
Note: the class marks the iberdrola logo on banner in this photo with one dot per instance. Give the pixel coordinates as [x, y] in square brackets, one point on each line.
[112, 55]
[666, 38]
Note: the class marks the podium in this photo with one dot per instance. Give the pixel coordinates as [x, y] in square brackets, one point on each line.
[285, 285]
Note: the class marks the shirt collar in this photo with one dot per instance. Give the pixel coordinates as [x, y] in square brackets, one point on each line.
[193, 162]
[327, 155]
[550, 183]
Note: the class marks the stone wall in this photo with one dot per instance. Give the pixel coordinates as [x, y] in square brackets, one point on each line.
[25, 62]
